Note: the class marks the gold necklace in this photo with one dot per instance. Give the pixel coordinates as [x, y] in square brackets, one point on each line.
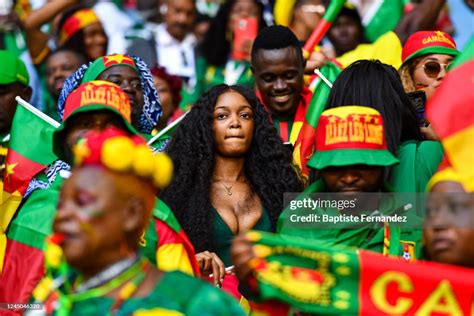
[227, 189]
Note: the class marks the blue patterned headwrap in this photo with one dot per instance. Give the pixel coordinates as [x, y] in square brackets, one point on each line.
[151, 111]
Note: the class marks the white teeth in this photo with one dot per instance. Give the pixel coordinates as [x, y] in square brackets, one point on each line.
[281, 98]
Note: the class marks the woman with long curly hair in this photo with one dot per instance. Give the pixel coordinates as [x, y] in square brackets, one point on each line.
[231, 172]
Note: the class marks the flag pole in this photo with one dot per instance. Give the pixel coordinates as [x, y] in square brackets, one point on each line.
[167, 128]
[323, 78]
[37, 112]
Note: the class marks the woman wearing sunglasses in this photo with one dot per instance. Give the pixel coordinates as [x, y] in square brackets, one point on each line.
[426, 57]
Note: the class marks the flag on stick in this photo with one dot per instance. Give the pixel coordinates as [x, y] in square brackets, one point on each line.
[304, 145]
[29, 152]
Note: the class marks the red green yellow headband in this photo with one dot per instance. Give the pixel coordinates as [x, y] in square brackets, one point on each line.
[75, 23]
[102, 63]
[117, 151]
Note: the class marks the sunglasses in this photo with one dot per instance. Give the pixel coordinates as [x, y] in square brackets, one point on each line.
[433, 68]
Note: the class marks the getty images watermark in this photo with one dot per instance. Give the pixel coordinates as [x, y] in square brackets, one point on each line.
[341, 205]
[353, 210]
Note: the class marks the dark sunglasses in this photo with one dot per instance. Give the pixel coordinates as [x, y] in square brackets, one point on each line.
[433, 68]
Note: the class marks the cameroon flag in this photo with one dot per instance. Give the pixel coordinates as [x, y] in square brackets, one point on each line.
[166, 244]
[450, 112]
[29, 152]
[336, 280]
[304, 145]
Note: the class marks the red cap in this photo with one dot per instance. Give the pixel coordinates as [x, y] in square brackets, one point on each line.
[428, 42]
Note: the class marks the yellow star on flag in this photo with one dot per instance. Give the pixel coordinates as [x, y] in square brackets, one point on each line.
[10, 167]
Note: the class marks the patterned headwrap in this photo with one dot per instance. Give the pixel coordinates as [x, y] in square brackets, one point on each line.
[78, 21]
[151, 111]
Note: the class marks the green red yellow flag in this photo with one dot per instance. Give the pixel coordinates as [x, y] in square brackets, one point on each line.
[381, 17]
[29, 152]
[304, 145]
[450, 112]
[336, 280]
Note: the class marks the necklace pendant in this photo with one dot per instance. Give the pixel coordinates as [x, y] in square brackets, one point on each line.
[229, 193]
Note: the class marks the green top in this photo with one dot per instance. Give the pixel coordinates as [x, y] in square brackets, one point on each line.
[176, 292]
[207, 76]
[403, 242]
[223, 235]
[418, 162]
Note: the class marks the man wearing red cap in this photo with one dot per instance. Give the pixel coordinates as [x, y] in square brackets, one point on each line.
[351, 154]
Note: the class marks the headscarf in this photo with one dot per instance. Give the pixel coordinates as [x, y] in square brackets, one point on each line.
[151, 111]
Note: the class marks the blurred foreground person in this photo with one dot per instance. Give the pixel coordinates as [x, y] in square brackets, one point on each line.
[103, 209]
[449, 222]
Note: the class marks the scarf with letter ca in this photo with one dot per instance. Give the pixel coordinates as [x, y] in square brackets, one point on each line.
[333, 280]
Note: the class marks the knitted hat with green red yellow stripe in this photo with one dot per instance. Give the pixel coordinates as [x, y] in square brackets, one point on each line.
[351, 135]
[103, 63]
[76, 22]
[428, 42]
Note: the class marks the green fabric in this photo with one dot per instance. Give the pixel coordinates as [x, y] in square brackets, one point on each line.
[208, 76]
[384, 20]
[15, 42]
[164, 213]
[418, 162]
[223, 236]
[345, 157]
[466, 55]
[50, 106]
[38, 150]
[12, 69]
[175, 291]
[160, 143]
[369, 237]
[34, 219]
[321, 93]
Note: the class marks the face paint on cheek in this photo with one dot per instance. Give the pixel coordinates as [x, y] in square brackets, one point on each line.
[87, 229]
[90, 215]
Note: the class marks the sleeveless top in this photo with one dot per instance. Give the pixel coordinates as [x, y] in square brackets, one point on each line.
[223, 235]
